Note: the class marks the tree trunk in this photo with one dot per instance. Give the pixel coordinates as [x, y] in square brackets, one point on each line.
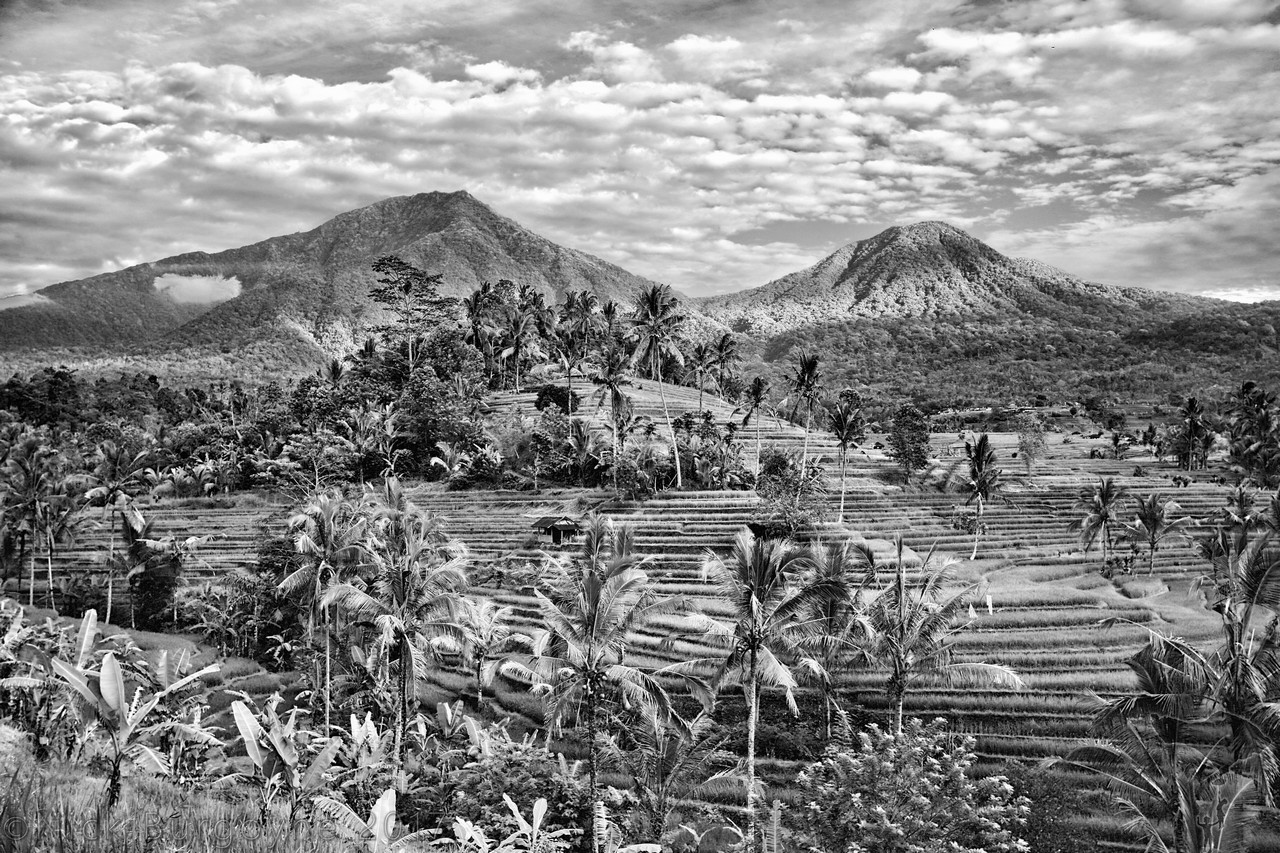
[757, 445]
[613, 415]
[804, 454]
[1151, 560]
[569, 402]
[675, 446]
[111, 565]
[844, 462]
[53, 602]
[402, 725]
[31, 589]
[328, 678]
[591, 766]
[899, 702]
[977, 530]
[753, 713]
[699, 395]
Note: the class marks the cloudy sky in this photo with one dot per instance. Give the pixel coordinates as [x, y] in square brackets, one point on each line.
[711, 145]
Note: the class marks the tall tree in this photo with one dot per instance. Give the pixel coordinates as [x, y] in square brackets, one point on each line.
[414, 297]
[655, 326]
[488, 634]
[763, 583]
[1100, 515]
[328, 534]
[590, 619]
[978, 478]
[757, 396]
[31, 476]
[610, 377]
[914, 628]
[806, 390]
[118, 476]
[849, 428]
[842, 630]
[701, 364]
[522, 336]
[1156, 521]
[909, 439]
[728, 354]
[411, 605]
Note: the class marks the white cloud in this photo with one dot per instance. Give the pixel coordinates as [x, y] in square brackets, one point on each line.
[198, 289]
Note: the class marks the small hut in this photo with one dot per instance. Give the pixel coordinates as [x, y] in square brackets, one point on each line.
[557, 529]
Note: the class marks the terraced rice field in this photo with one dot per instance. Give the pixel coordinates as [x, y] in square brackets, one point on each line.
[1048, 603]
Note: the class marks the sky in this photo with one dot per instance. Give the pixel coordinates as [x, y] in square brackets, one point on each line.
[711, 145]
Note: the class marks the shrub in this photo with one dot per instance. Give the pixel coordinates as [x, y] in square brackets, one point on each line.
[793, 498]
[908, 793]
[558, 396]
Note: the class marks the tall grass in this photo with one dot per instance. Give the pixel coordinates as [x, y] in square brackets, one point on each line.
[58, 807]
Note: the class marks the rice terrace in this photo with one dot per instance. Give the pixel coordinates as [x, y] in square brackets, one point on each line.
[417, 529]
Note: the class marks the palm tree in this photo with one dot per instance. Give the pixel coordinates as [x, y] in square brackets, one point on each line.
[668, 762]
[849, 428]
[328, 534]
[610, 377]
[1154, 523]
[31, 476]
[914, 635]
[978, 477]
[1245, 584]
[522, 334]
[701, 363]
[806, 389]
[756, 396]
[1101, 513]
[487, 635]
[842, 630]
[763, 582]
[61, 523]
[727, 357]
[412, 605]
[655, 324]
[117, 477]
[334, 373]
[590, 619]
[1147, 754]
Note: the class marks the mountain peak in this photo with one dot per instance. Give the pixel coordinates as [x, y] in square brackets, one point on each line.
[925, 269]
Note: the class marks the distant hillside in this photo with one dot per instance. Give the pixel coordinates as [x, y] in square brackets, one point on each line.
[930, 269]
[304, 293]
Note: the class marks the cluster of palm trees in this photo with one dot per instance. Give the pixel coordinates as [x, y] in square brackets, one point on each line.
[1195, 748]
[380, 578]
[44, 490]
[1155, 522]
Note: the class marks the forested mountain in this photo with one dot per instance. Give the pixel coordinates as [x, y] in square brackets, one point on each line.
[932, 269]
[302, 290]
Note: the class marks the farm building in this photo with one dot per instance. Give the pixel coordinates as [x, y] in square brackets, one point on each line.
[557, 529]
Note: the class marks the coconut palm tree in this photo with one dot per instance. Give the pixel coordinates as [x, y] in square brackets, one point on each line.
[842, 631]
[610, 377]
[31, 475]
[914, 632]
[578, 662]
[757, 395]
[487, 636]
[849, 428]
[1154, 523]
[806, 390]
[117, 478]
[411, 606]
[764, 583]
[1147, 752]
[522, 334]
[1100, 510]
[977, 476]
[668, 762]
[701, 363]
[727, 357]
[329, 535]
[1245, 591]
[655, 324]
[60, 523]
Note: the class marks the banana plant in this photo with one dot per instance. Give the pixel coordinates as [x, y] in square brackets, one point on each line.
[105, 703]
[272, 745]
[375, 834]
[528, 838]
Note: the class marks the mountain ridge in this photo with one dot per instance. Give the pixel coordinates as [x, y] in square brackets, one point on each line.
[312, 285]
[925, 269]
